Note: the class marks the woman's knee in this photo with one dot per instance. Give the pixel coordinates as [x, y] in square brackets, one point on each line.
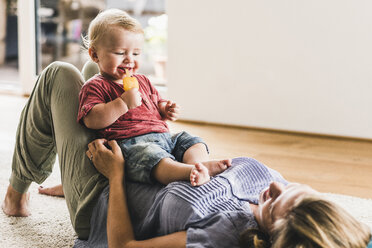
[64, 68]
[63, 77]
[90, 68]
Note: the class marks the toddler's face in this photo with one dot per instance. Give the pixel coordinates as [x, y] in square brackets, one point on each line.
[118, 50]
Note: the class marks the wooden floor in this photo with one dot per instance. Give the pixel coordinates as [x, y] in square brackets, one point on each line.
[336, 165]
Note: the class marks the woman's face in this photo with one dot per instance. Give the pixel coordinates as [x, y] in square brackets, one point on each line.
[276, 200]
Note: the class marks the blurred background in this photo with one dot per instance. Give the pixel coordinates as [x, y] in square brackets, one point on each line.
[295, 65]
[60, 25]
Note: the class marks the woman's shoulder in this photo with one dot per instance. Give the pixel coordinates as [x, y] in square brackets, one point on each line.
[221, 229]
[242, 220]
[237, 219]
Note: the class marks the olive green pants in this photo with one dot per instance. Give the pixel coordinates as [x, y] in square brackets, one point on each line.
[48, 127]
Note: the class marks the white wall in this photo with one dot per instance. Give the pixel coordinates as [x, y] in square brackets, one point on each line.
[290, 65]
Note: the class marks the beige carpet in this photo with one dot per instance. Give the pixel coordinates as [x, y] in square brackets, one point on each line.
[49, 225]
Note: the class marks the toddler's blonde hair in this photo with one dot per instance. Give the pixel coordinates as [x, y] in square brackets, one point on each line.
[101, 24]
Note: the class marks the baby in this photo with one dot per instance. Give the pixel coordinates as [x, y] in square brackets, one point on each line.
[136, 118]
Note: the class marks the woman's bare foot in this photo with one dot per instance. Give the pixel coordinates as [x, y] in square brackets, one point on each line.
[217, 166]
[15, 203]
[199, 175]
[52, 191]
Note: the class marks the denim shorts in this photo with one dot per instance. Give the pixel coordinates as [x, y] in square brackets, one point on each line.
[142, 153]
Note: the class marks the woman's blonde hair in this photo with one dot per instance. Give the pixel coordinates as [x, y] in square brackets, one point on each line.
[315, 222]
[101, 24]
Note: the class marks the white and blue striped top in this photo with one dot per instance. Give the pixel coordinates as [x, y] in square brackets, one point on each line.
[215, 213]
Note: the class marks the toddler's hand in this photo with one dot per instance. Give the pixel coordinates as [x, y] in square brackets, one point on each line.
[132, 98]
[171, 111]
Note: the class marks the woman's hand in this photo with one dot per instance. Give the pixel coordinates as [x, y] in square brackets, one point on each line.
[109, 162]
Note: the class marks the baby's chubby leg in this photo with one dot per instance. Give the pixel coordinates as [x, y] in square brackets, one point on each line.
[198, 153]
[215, 167]
[169, 170]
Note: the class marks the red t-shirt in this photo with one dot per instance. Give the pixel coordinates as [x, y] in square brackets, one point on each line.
[140, 120]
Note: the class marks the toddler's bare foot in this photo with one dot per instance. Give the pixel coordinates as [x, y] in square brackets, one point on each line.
[15, 203]
[199, 175]
[217, 166]
[52, 191]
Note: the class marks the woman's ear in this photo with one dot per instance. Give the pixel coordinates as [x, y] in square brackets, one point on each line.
[93, 54]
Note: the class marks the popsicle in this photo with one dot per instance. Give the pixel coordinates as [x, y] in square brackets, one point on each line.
[129, 82]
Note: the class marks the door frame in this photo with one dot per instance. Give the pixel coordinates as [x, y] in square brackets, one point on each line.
[27, 45]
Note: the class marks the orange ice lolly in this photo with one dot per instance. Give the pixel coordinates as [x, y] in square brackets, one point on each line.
[129, 82]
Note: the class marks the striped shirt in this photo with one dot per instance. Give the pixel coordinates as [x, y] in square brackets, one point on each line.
[215, 213]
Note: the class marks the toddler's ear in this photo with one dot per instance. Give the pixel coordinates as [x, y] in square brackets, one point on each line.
[93, 54]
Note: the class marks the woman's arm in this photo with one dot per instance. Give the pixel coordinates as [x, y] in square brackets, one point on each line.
[119, 227]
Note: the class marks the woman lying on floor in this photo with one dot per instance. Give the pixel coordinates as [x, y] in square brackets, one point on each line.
[248, 205]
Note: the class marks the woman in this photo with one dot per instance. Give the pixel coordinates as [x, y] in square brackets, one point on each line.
[293, 215]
